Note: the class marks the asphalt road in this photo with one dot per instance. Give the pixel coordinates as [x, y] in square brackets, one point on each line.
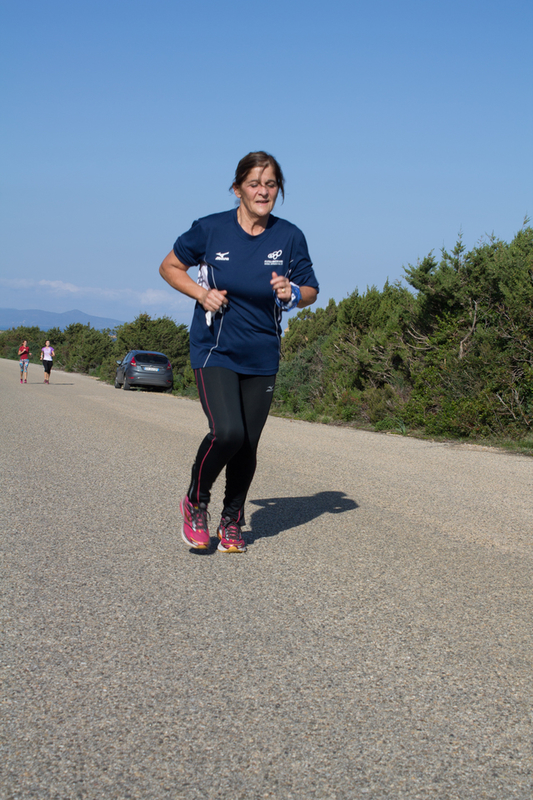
[374, 642]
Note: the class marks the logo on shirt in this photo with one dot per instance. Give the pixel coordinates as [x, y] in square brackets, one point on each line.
[222, 256]
[273, 259]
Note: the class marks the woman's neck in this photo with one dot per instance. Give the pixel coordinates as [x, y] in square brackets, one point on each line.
[251, 224]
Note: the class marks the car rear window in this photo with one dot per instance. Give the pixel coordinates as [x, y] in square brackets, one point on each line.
[150, 358]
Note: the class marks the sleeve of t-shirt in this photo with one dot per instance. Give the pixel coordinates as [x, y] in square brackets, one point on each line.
[190, 246]
[301, 266]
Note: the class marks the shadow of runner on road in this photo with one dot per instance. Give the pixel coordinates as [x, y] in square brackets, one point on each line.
[279, 514]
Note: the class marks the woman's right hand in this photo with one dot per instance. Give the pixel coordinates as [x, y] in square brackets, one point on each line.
[175, 273]
[213, 300]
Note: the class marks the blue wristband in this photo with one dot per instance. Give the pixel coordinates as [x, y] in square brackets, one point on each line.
[296, 296]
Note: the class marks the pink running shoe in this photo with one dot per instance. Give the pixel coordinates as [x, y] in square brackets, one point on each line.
[229, 533]
[194, 530]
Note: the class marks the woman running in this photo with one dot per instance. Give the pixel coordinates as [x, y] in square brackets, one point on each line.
[252, 266]
[47, 357]
[24, 360]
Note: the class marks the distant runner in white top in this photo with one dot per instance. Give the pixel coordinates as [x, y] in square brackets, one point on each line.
[47, 357]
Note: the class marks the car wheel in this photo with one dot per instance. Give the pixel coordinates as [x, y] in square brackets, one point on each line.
[117, 384]
[169, 390]
[126, 385]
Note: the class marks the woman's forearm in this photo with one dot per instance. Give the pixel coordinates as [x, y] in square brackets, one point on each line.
[309, 296]
[175, 274]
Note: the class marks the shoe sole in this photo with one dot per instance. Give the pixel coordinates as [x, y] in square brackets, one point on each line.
[193, 544]
[234, 548]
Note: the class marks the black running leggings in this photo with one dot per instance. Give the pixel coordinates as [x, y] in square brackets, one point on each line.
[237, 408]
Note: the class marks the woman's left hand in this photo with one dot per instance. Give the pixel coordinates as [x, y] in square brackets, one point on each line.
[282, 287]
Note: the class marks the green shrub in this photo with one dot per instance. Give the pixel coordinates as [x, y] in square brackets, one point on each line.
[453, 358]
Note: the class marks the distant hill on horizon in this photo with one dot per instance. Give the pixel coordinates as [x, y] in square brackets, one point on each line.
[13, 317]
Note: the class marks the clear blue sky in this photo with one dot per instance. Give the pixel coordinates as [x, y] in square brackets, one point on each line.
[397, 125]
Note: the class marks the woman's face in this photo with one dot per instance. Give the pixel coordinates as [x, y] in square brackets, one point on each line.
[24, 343]
[47, 343]
[258, 191]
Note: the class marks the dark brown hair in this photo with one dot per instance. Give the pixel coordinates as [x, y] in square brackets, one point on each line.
[259, 159]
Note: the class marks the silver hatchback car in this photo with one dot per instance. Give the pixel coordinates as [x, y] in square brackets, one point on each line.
[144, 368]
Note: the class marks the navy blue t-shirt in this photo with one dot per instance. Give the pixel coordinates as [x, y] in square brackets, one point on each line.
[245, 336]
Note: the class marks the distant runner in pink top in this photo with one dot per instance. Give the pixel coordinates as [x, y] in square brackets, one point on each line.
[24, 360]
[47, 356]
